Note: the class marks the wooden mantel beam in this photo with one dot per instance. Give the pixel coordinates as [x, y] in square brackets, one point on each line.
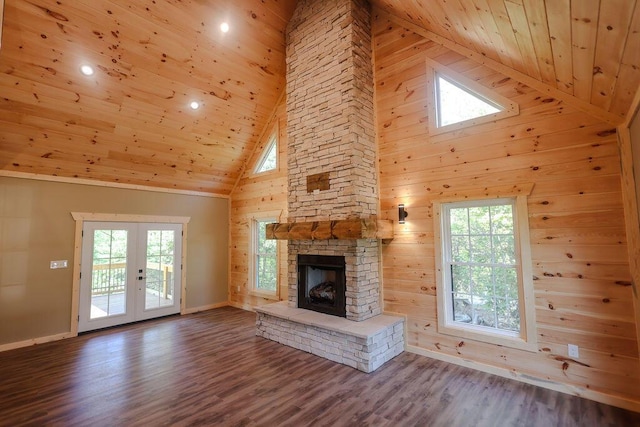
[348, 229]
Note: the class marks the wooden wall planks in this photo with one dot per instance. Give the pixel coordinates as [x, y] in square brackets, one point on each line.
[588, 48]
[254, 195]
[579, 248]
[576, 208]
[629, 140]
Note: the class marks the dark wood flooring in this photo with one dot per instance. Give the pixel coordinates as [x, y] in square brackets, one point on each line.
[210, 369]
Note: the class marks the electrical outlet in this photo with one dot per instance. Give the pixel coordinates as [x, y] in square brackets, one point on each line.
[58, 264]
[573, 351]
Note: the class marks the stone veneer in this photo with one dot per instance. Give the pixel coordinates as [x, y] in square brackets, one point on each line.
[330, 130]
[361, 272]
[330, 120]
[361, 345]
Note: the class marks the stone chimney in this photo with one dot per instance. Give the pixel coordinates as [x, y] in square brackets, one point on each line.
[331, 151]
[330, 111]
[333, 192]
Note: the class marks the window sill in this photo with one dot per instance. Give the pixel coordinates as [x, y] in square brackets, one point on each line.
[265, 173]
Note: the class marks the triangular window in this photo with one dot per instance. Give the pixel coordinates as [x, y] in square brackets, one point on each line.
[456, 102]
[269, 159]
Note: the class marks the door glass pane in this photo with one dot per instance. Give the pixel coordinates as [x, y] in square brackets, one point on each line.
[109, 273]
[160, 272]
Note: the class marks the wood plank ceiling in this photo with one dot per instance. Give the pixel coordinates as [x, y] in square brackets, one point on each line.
[587, 48]
[131, 123]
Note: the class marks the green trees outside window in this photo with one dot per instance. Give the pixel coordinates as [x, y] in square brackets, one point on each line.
[265, 258]
[481, 258]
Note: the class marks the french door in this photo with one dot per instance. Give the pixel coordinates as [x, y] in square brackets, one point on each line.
[129, 272]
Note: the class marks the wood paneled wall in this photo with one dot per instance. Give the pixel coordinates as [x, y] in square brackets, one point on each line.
[581, 271]
[1, 19]
[589, 49]
[255, 195]
[629, 140]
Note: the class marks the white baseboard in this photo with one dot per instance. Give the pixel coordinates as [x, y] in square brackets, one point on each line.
[245, 307]
[64, 335]
[621, 402]
[35, 341]
[205, 307]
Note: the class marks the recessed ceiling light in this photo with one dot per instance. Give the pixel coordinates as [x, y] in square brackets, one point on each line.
[87, 70]
[224, 27]
[194, 105]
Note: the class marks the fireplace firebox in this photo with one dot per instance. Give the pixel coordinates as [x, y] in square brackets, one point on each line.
[322, 284]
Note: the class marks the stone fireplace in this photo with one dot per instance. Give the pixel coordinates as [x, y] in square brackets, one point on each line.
[321, 284]
[362, 296]
[333, 189]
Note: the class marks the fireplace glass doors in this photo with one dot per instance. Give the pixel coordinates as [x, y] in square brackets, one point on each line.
[321, 284]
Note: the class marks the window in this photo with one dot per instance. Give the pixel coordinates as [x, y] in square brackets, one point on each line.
[265, 259]
[456, 102]
[485, 284]
[269, 159]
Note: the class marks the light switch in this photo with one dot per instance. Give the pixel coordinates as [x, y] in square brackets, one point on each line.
[59, 264]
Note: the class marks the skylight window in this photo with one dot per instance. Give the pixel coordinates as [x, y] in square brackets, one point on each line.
[457, 104]
[269, 159]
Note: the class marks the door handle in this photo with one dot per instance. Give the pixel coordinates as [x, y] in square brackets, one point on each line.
[141, 278]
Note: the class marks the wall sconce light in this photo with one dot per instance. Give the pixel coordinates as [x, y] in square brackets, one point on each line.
[402, 214]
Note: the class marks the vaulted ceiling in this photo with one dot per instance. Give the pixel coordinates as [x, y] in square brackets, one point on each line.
[130, 122]
[587, 48]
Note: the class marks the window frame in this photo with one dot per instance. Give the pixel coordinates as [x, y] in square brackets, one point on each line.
[508, 107]
[253, 264]
[441, 76]
[526, 338]
[271, 142]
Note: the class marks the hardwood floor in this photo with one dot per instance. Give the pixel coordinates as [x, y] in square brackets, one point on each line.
[210, 369]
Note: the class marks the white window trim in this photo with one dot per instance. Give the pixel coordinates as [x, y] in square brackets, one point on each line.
[526, 339]
[253, 290]
[272, 140]
[509, 108]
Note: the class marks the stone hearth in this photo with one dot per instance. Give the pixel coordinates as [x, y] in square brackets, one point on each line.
[362, 345]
